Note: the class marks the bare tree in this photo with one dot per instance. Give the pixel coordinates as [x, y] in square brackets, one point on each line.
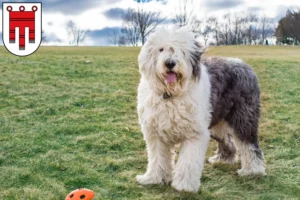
[226, 34]
[214, 25]
[113, 37]
[138, 24]
[251, 29]
[147, 22]
[266, 27]
[206, 33]
[184, 16]
[288, 28]
[130, 29]
[239, 28]
[122, 40]
[256, 34]
[131, 35]
[183, 13]
[195, 25]
[76, 34]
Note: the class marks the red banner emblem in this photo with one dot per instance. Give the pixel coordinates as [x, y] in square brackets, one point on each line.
[22, 27]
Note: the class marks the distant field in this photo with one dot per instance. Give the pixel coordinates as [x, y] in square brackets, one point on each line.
[68, 120]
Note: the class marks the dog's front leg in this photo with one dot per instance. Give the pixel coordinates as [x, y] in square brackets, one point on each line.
[190, 163]
[160, 162]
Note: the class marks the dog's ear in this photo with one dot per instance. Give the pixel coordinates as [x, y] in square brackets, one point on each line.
[195, 59]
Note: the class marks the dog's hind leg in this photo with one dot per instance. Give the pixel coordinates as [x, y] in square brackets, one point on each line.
[252, 158]
[245, 125]
[226, 151]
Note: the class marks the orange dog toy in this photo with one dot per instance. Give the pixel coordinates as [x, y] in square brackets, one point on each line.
[81, 194]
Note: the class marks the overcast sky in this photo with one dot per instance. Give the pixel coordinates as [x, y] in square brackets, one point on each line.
[101, 17]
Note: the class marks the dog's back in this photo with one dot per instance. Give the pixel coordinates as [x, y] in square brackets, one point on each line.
[234, 85]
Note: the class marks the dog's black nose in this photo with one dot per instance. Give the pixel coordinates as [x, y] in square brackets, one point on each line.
[170, 64]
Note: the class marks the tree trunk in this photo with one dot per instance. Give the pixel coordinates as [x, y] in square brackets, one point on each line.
[143, 40]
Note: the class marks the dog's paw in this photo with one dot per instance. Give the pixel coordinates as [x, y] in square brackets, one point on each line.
[214, 159]
[186, 186]
[147, 179]
[251, 172]
[218, 159]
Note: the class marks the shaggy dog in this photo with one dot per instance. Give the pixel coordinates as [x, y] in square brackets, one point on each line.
[184, 99]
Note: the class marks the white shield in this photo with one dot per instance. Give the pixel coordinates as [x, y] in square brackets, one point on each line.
[22, 27]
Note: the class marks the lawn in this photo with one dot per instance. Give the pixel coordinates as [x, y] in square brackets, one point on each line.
[68, 120]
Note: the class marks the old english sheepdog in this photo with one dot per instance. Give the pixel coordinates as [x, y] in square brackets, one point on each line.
[185, 99]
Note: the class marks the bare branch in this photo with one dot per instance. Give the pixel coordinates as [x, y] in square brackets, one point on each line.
[138, 24]
[183, 13]
[267, 28]
[76, 35]
[113, 37]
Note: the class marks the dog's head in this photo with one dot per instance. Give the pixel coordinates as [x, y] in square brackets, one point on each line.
[170, 60]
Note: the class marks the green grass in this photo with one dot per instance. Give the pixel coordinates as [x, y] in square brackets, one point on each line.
[68, 120]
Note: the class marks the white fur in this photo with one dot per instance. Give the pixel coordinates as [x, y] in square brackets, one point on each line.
[251, 164]
[183, 118]
[236, 60]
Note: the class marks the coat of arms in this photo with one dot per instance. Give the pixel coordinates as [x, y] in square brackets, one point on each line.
[22, 27]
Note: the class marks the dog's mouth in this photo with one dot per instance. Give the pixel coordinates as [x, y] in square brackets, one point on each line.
[171, 77]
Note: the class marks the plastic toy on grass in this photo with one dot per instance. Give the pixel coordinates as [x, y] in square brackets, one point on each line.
[81, 194]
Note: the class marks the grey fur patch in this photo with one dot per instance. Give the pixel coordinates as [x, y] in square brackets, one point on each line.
[235, 97]
[258, 152]
[195, 60]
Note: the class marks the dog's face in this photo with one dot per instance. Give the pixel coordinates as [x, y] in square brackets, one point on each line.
[172, 66]
[171, 60]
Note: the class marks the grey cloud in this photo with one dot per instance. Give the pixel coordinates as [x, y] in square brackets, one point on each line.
[168, 21]
[114, 13]
[52, 37]
[100, 36]
[147, 1]
[103, 32]
[254, 9]
[222, 4]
